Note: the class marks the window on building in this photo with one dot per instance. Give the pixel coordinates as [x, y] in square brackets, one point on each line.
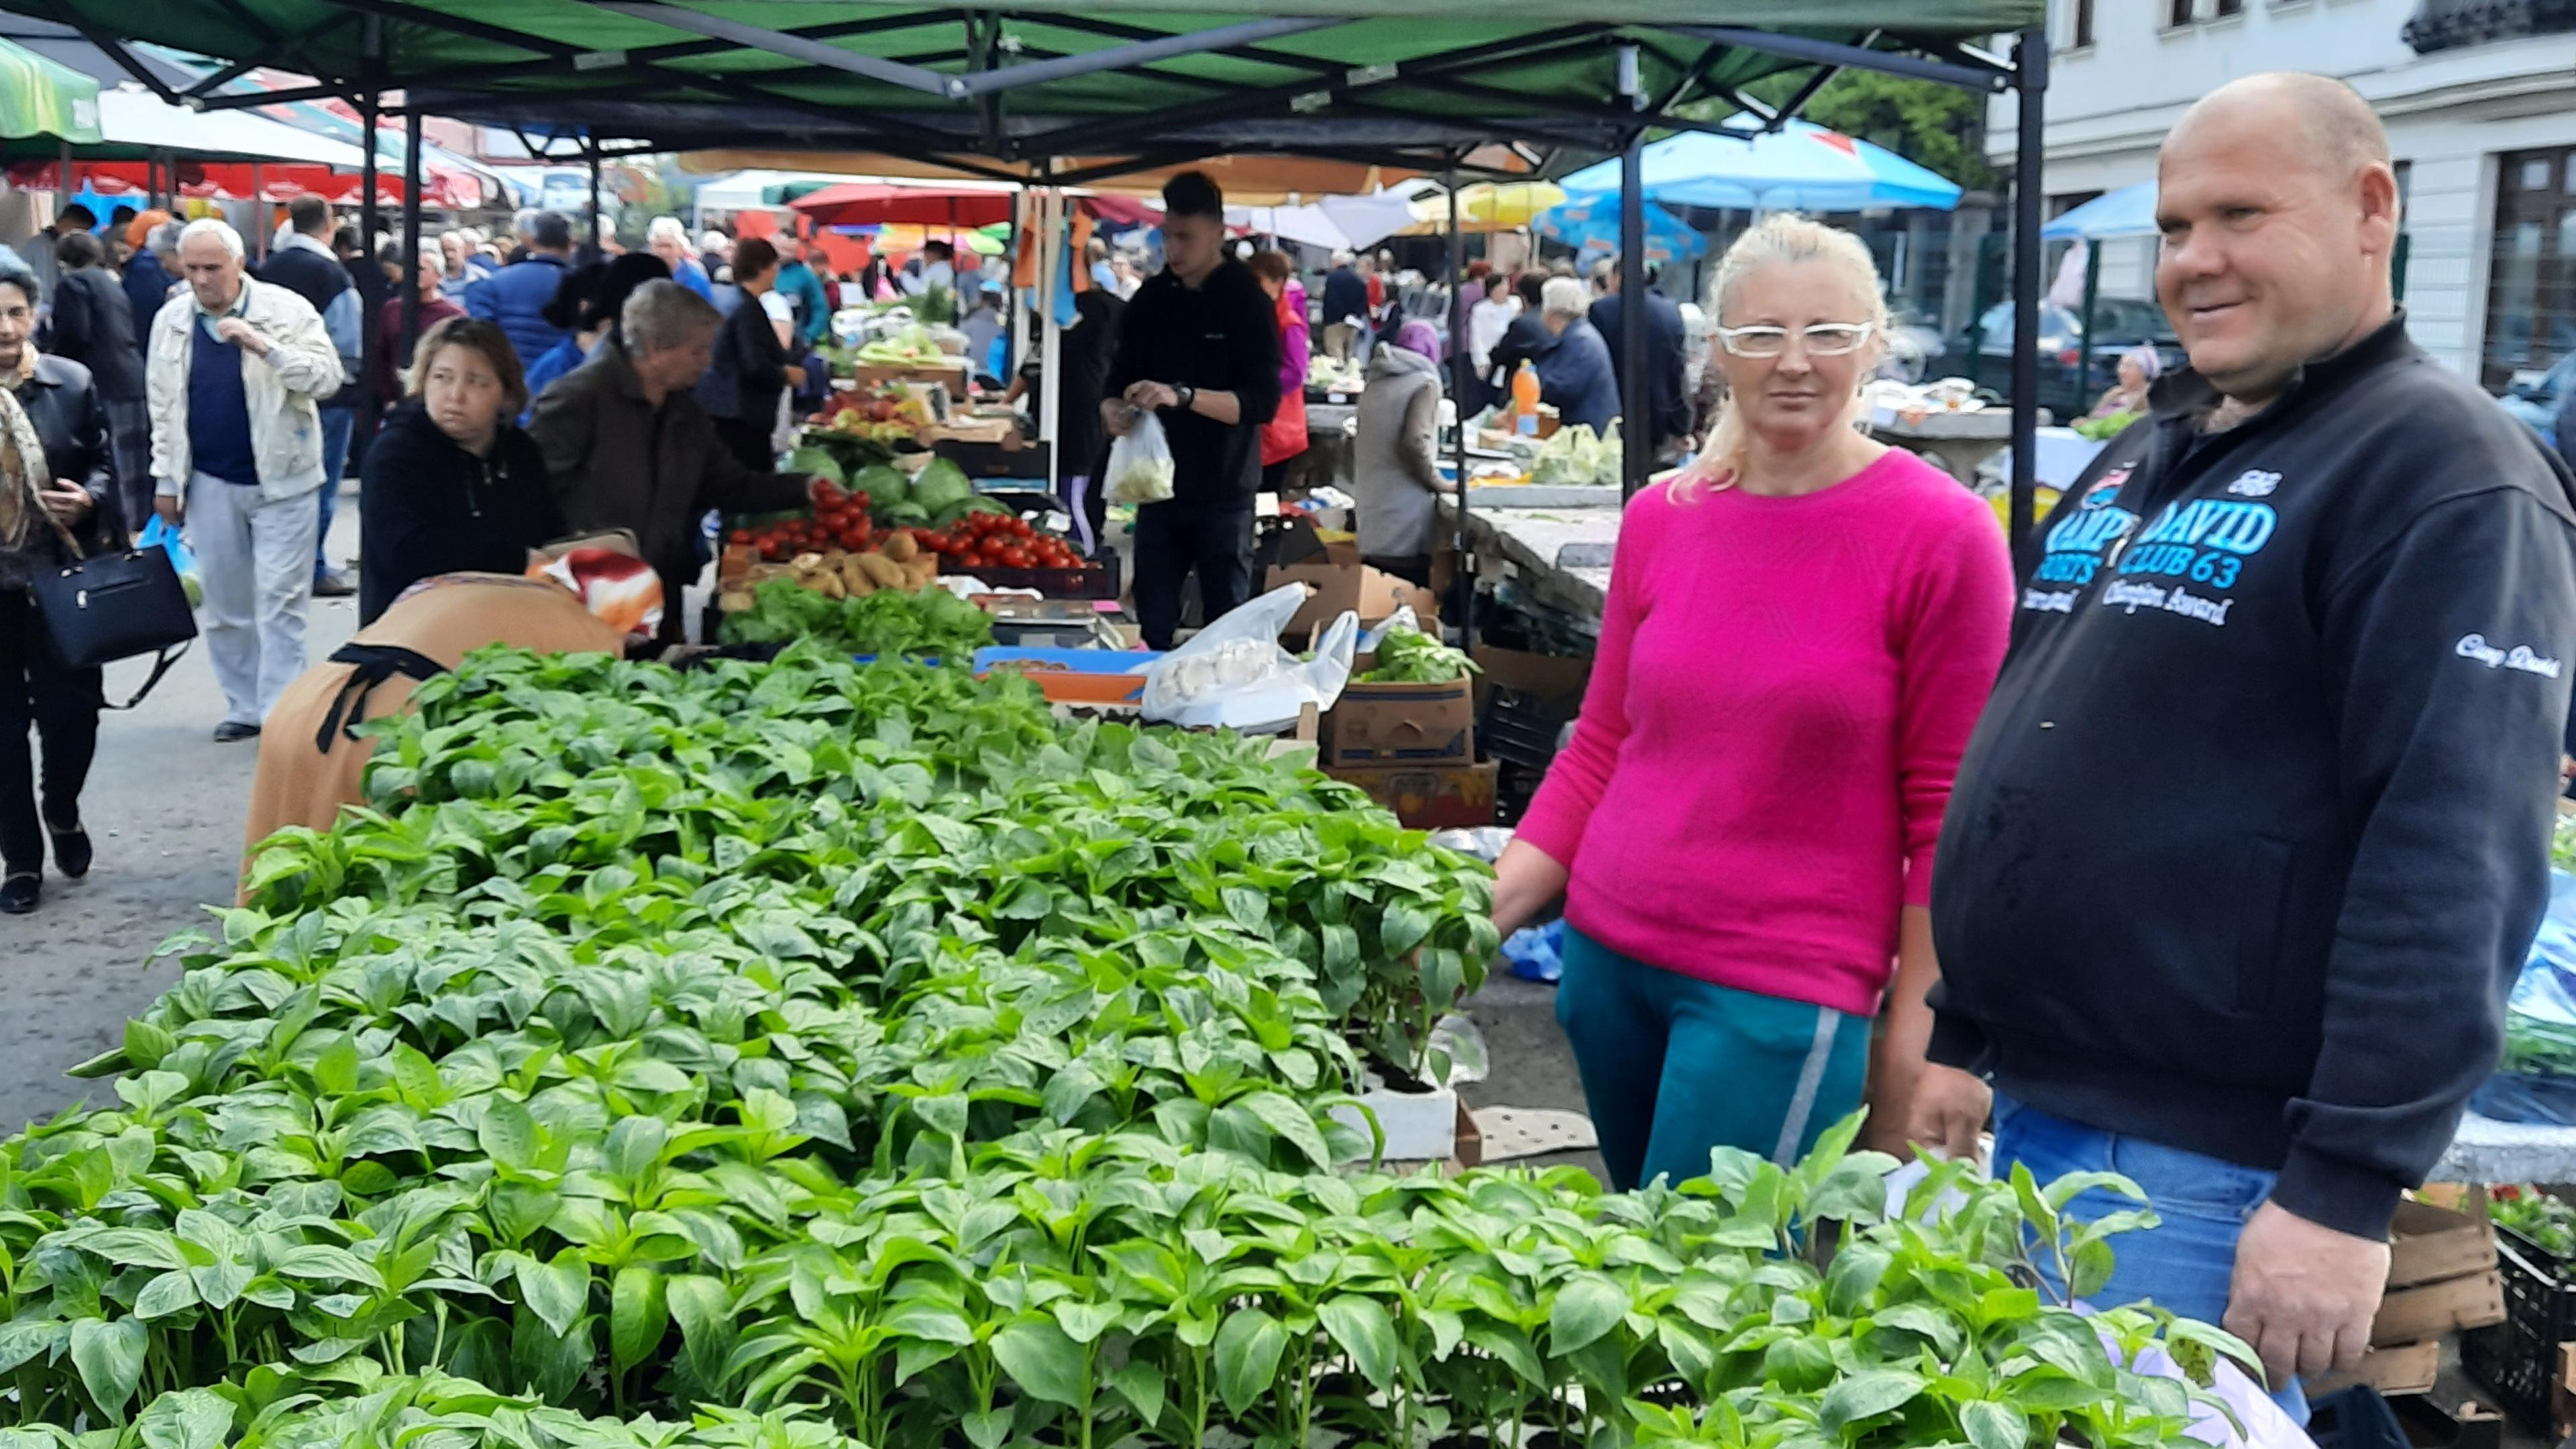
[2229, 7]
[2083, 28]
[2178, 12]
[2531, 264]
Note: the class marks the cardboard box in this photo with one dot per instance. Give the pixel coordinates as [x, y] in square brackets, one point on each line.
[1294, 552]
[2411, 1315]
[2402, 1369]
[872, 375]
[2428, 1244]
[1554, 681]
[1450, 797]
[1380, 725]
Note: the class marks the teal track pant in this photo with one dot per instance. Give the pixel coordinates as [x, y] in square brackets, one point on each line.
[1673, 1066]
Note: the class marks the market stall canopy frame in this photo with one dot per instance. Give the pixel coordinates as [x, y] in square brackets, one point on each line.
[1363, 79]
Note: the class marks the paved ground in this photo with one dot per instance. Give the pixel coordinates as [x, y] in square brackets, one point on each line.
[164, 808]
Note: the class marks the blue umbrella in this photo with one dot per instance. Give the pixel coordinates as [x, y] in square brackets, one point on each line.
[2129, 211]
[1591, 223]
[1802, 167]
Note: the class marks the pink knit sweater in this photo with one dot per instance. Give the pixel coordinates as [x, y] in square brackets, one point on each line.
[1778, 705]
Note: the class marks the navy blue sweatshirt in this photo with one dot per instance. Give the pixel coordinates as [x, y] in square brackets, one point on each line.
[2252, 837]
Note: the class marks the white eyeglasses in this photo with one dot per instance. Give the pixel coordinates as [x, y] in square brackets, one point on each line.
[1825, 339]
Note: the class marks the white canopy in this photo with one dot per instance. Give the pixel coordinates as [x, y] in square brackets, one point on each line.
[132, 116]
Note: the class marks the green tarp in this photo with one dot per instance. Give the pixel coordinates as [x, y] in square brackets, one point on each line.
[40, 99]
[1374, 73]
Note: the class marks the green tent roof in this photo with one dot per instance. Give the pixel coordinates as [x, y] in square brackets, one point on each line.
[1048, 78]
[40, 99]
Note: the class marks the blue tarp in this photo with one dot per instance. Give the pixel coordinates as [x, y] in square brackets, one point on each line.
[1802, 167]
[1591, 223]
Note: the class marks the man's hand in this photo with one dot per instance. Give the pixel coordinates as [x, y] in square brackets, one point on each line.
[234, 329]
[168, 508]
[2303, 1294]
[795, 375]
[1117, 416]
[1152, 396]
[1944, 1109]
[68, 505]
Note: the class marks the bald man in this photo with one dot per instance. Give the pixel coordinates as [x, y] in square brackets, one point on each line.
[2253, 834]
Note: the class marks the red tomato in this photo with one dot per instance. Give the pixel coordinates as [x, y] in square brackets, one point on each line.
[1014, 556]
[739, 536]
[1020, 528]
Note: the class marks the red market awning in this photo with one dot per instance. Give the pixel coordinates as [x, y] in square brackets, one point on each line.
[214, 181]
[868, 203]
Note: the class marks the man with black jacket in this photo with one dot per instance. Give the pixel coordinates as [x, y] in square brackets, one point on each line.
[1667, 361]
[93, 325]
[305, 264]
[2248, 846]
[1199, 347]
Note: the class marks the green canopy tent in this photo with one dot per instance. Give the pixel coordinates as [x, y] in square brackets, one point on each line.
[1066, 91]
[42, 101]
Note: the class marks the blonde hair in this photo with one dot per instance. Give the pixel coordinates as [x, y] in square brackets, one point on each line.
[1782, 237]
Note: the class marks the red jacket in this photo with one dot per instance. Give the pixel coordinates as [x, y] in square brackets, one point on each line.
[1284, 436]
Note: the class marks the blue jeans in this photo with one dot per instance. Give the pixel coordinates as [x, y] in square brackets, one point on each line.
[2182, 1265]
[337, 425]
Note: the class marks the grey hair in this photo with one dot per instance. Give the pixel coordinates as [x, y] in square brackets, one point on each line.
[217, 228]
[14, 272]
[667, 226]
[164, 239]
[662, 313]
[1342, 257]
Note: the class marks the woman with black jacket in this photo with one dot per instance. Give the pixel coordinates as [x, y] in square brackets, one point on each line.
[750, 372]
[57, 494]
[452, 485]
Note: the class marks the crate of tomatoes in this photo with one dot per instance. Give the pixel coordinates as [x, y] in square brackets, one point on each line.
[839, 520]
[1007, 552]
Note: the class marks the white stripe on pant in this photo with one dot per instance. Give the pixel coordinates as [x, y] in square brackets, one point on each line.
[255, 559]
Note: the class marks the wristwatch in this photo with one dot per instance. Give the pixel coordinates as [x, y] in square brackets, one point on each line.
[1188, 395]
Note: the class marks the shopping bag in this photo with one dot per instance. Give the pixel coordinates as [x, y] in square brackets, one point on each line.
[1140, 464]
[159, 534]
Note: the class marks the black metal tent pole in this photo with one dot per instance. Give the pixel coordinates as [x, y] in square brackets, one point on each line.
[371, 322]
[1637, 432]
[598, 243]
[1461, 390]
[2030, 79]
[411, 233]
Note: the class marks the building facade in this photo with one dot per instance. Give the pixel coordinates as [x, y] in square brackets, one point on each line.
[2479, 97]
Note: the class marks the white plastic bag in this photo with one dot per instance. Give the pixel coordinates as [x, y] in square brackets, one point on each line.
[1140, 464]
[1234, 675]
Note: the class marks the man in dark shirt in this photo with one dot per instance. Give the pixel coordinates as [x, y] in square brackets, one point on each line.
[1667, 361]
[1346, 307]
[1199, 348]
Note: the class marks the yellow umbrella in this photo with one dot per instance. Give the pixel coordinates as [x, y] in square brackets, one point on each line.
[1485, 206]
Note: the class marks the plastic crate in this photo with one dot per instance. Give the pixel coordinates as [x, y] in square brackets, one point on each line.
[1515, 730]
[1098, 582]
[2517, 1360]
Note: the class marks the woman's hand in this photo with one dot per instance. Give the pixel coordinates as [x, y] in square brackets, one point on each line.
[68, 504]
[1525, 880]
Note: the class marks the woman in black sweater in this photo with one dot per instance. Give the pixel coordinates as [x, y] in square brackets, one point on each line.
[451, 484]
[750, 371]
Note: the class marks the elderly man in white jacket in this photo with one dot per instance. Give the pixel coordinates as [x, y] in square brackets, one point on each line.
[233, 371]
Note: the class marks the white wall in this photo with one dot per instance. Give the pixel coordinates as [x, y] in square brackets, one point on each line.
[2448, 114]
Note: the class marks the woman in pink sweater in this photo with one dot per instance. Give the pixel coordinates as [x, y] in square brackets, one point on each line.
[1799, 634]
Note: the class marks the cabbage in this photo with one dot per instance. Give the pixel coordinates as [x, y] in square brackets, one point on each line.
[941, 484]
[883, 483]
[815, 462]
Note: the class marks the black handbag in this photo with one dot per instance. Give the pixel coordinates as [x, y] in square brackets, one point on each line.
[119, 604]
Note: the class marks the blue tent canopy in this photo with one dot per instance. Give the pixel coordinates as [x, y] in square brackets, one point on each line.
[2129, 211]
[1591, 223]
[1802, 167]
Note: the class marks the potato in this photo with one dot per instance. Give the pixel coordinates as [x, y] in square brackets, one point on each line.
[921, 572]
[884, 572]
[901, 548]
[734, 601]
[828, 584]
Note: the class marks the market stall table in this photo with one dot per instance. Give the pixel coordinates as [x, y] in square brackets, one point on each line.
[1956, 443]
[1562, 554]
[2485, 1150]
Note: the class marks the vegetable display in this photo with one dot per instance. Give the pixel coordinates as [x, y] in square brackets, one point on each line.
[826, 1056]
[1575, 455]
[2548, 1222]
[1410, 656]
[2103, 429]
[871, 620]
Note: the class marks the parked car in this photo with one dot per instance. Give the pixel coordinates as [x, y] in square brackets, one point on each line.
[1983, 353]
[2535, 401]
